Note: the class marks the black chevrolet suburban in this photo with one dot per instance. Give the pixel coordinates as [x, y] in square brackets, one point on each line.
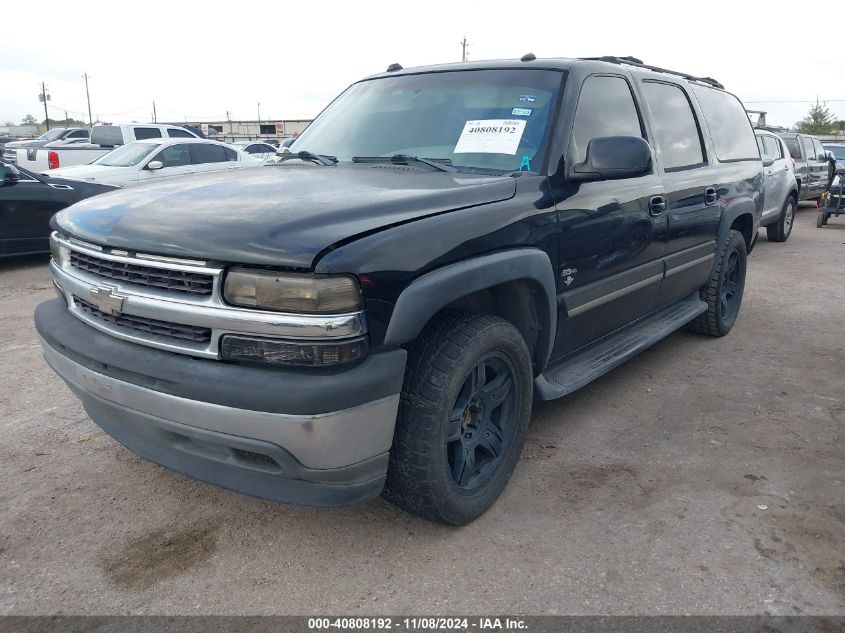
[376, 312]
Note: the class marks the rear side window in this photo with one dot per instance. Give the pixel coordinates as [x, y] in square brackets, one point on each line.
[106, 135]
[675, 128]
[793, 147]
[730, 129]
[174, 132]
[146, 132]
[203, 153]
[605, 108]
[78, 134]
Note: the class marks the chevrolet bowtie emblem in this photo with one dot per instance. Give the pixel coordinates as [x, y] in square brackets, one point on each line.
[107, 299]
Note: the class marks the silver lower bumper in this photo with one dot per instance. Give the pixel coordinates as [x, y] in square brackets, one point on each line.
[325, 441]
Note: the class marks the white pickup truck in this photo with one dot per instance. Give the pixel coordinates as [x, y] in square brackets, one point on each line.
[104, 138]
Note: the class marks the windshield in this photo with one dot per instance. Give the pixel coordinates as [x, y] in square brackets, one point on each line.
[127, 155]
[52, 135]
[836, 150]
[482, 119]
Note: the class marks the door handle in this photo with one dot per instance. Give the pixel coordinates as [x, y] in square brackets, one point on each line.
[710, 195]
[656, 206]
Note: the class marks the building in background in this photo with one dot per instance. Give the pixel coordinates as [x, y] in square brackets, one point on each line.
[248, 130]
[19, 130]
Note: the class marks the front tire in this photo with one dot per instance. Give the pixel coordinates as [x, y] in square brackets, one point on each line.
[723, 292]
[781, 230]
[463, 416]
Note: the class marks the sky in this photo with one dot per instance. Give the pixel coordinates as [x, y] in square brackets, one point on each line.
[200, 60]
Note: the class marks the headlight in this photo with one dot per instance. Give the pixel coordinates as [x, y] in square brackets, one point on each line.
[289, 292]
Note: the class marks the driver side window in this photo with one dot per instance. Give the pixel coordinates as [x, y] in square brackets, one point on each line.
[605, 108]
[174, 156]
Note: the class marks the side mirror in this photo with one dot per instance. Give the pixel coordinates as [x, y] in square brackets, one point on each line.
[768, 162]
[613, 158]
[10, 174]
[155, 164]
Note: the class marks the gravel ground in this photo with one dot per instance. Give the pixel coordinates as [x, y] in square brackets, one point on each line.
[705, 476]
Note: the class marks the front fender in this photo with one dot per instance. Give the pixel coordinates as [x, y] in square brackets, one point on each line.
[435, 290]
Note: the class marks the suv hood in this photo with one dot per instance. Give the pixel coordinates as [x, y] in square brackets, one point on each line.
[275, 215]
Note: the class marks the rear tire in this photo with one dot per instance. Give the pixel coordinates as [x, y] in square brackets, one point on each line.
[821, 219]
[463, 416]
[781, 230]
[723, 292]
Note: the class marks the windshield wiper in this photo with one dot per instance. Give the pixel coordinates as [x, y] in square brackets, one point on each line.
[304, 154]
[440, 164]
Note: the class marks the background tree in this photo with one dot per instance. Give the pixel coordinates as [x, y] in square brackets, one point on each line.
[819, 120]
[29, 120]
[63, 123]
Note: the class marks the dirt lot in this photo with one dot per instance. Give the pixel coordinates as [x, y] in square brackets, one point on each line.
[706, 476]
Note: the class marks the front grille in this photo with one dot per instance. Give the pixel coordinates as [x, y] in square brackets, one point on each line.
[143, 324]
[10, 155]
[149, 276]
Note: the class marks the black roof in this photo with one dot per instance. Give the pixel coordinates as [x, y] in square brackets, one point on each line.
[552, 63]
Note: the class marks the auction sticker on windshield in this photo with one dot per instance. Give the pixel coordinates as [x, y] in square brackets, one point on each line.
[490, 136]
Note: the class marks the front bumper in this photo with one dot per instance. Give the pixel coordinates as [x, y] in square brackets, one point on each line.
[293, 437]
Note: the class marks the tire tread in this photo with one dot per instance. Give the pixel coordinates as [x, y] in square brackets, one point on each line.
[431, 362]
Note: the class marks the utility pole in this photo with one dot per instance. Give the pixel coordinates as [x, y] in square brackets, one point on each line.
[43, 97]
[67, 121]
[259, 117]
[155, 120]
[88, 96]
[464, 49]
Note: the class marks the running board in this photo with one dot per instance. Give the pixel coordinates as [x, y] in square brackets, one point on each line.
[598, 359]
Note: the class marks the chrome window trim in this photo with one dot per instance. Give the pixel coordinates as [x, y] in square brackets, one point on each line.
[199, 310]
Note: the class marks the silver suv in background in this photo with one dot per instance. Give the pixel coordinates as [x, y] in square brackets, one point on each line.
[780, 198]
[811, 164]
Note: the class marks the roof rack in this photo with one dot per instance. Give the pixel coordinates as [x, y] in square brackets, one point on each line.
[633, 61]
